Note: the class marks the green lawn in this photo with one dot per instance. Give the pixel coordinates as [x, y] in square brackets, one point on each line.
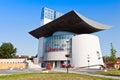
[51, 76]
[113, 72]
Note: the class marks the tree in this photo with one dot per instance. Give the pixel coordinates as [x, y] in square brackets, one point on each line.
[7, 50]
[113, 54]
[106, 58]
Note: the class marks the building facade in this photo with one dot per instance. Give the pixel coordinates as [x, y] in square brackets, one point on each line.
[68, 34]
[47, 15]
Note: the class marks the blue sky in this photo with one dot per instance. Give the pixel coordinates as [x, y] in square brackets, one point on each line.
[18, 17]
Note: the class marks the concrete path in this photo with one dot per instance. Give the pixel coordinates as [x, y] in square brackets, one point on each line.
[87, 72]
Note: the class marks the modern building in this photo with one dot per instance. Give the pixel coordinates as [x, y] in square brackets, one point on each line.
[47, 15]
[68, 34]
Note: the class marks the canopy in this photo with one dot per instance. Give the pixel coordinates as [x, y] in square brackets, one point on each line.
[70, 22]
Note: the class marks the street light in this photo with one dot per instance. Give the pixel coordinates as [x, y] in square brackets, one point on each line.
[67, 56]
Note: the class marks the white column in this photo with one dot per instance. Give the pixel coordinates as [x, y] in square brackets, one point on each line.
[53, 64]
[41, 45]
[58, 64]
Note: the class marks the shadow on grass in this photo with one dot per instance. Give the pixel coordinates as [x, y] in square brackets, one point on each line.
[112, 75]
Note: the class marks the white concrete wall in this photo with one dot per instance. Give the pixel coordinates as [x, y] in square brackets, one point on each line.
[56, 56]
[31, 65]
[86, 47]
[45, 21]
[12, 60]
[41, 43]
[41, 47]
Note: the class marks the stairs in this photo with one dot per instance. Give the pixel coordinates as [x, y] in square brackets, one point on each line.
[32, 65]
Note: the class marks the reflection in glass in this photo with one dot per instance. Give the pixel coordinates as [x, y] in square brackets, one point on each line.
[58, 43]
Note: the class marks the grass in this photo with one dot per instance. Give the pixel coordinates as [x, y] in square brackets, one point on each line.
[111, 72]
[51, 76]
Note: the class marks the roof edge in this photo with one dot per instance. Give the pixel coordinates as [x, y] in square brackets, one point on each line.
[92, 22]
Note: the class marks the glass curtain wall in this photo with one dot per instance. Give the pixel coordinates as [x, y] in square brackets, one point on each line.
[58, 43]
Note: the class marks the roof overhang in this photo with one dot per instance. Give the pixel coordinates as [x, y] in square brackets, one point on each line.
[70, 22]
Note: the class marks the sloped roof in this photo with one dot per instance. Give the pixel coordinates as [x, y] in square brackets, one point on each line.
[70, 22]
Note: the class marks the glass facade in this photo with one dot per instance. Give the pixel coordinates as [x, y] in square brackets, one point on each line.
[57, 14]
[58, 43]
[50, 14]
[47, 13]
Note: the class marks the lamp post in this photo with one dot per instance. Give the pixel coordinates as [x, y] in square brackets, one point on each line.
[67, 56]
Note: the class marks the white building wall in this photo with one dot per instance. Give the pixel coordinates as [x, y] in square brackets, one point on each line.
[56, 56]
[41, 47]
[12, 60]
[86, 51]
[45, 21]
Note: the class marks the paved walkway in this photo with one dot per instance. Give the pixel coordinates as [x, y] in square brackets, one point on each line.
[88, 72]
[8, 72]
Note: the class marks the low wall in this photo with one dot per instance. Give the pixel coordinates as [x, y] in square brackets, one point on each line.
[13, 63]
